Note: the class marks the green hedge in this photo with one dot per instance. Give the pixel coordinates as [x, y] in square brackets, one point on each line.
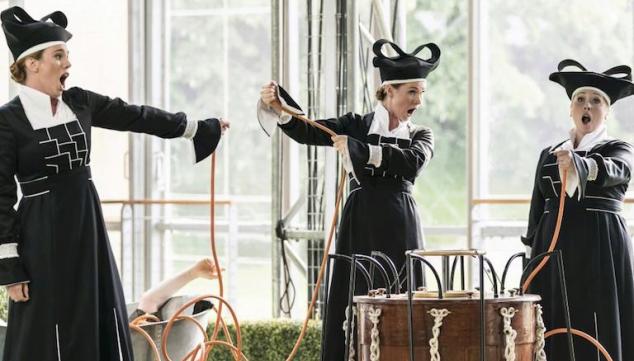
[4, 304]
[272, 341]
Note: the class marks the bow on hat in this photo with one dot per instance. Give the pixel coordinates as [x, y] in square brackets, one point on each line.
[615, 82]
[404, 67]
[26, 35]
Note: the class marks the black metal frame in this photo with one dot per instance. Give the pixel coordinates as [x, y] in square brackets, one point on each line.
[364, 272]
[356, 260]
[409, 263]
[453, 272]
[506, 269]
[564, 291]
[494, 276]
[374, 263]
[383, 257]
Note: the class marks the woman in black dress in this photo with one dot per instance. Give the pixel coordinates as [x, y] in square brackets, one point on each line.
[594, 242]
[384, 153]
[55, 258]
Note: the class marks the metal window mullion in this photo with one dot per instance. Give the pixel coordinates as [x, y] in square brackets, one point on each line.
[277, 25]
[156, 93]
[473, 120]
[137, 148]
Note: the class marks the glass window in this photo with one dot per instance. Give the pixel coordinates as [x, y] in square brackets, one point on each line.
[441, 189]
[218, 59]
[522, 112]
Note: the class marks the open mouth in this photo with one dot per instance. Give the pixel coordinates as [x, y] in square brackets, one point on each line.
[411, 111]
[62, 79]
[585, 119]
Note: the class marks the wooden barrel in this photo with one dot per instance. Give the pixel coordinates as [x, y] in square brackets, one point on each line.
[459, 337]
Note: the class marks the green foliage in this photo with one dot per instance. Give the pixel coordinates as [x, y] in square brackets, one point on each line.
[4, 304]
[519, 111]
[217, 65]
[525, 112]
[272, 341]
[441, 189]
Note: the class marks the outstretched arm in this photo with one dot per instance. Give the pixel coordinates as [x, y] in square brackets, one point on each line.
[155, 297]
[116, 114]
[271, 115]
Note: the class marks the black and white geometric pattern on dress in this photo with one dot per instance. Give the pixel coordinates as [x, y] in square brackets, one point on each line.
[65, 146]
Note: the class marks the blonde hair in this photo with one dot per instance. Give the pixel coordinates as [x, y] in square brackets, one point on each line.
[18, 68]
[381, 92]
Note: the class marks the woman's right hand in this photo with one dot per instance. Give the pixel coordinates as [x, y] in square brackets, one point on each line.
[268, 95]
[564, 159]
[224, 125]
[18, 292]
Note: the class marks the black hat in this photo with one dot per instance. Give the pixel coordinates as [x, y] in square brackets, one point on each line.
[614, 83]
[403, 67]
[26, 36]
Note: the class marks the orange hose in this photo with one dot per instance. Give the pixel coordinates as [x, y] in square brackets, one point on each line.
[309, 121]
[553, 242]
[226, 332]
[192, 354]
[324, 260]
[155, 352]
[223, 343]
[212, 231]
[144, 319]
[584, 335]
[176, 315]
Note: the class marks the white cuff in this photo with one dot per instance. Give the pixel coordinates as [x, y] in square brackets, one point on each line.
[593, 168]
[8, 250]
[376, 155]
[190, 129]
[285, 118]
[267, 117]
[347, 162]
[192, 152]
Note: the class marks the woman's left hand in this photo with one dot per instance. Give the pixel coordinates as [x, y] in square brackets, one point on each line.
[205, 268]
[564, 159]
[340, 142]
[224, 125]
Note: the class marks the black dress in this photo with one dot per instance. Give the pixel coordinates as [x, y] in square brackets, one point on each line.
[380, 213]
[596, 249]
[76, 309]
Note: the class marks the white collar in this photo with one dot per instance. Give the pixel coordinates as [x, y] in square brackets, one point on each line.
[38, 110]
[381, 124]
[588, 141]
